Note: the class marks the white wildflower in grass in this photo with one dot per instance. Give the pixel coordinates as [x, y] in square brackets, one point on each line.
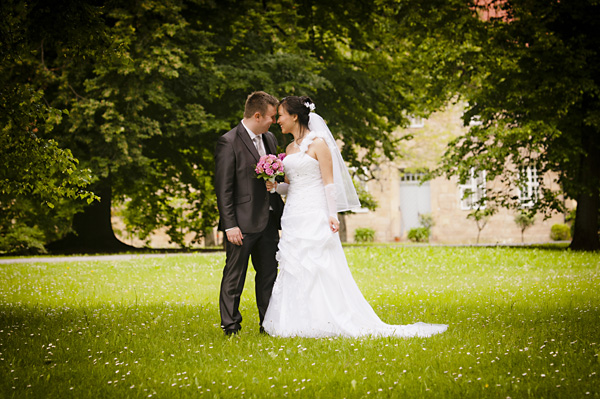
[521, 320]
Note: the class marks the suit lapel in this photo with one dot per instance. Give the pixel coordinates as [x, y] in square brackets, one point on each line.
[245, 137]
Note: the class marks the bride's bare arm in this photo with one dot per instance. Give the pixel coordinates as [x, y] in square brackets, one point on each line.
[323, 155]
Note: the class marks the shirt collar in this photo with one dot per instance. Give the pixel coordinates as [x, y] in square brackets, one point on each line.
[250, 132]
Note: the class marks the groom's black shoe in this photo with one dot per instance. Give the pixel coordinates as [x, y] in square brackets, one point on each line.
[261, 330]
[234, 331]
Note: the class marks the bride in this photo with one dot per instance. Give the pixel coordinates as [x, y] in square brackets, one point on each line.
[314, 294]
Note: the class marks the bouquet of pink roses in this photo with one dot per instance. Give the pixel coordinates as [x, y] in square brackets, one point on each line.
[270, 166]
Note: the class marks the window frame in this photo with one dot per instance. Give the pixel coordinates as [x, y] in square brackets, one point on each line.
[529, 193]
[476, 185]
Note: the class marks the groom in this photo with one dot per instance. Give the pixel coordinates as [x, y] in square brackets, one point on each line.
[249, 215]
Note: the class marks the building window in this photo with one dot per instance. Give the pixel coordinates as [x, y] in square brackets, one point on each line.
[473, 191]
[416, 122]
[475, 121]
[529, 187]
[410, 176]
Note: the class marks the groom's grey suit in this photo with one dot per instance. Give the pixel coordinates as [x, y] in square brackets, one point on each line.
[244, 202]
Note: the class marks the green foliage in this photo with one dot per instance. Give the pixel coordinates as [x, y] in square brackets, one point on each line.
[148, 86]
[533, 86]
[524, 220]
[426, 220]
[419, 234]
[422, 234]
[22, 240]
[175, 207]
[364, 234]
[560, 232]
[151, 331]
[367, 201]
[36, 177]
[37, 174]
[570, 219]
[27, 224]
[482, 216]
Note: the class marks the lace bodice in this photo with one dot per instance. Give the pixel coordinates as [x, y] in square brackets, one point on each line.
[306, 184]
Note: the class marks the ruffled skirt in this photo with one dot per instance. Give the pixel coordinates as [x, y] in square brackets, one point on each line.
[315, 294]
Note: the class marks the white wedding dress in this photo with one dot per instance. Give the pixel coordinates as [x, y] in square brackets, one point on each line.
[314, 294]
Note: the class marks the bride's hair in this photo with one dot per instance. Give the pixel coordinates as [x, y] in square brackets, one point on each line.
[300, 106]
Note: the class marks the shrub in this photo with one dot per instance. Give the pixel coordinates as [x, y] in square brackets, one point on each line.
[560, 232]
[419, 234]
[524, 221]
[570, 219]
[426, 221]
[364, 234]
[22, 240]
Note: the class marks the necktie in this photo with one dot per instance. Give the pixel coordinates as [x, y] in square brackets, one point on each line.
[259, 145]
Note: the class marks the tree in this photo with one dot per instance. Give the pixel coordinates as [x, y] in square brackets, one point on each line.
[162, 79]
[481, 216]
[37, 176]
[534, 89]
[150, 84]
[139, 123]
[524, 220]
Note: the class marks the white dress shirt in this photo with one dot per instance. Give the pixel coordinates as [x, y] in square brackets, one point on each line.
[257, 140]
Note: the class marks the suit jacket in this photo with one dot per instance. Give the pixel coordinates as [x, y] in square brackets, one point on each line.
[242, 198]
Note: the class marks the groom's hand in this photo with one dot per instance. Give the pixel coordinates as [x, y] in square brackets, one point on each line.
[234, 236]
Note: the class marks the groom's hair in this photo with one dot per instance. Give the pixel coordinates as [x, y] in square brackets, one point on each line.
[259, 102]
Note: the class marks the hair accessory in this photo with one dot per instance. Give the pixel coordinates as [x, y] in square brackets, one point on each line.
[310, 106]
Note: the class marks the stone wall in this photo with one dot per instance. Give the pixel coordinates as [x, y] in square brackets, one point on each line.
[451, 223]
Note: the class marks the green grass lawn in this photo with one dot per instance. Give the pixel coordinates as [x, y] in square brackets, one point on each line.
[523, 323]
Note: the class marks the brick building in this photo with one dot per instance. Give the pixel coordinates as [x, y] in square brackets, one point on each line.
[402, 197]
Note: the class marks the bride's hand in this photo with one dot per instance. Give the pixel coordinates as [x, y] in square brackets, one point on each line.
[334, 224]
[271, 185]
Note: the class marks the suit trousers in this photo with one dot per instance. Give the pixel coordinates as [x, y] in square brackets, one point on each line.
[261, 248]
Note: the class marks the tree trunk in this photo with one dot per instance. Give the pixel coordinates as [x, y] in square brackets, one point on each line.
[585, 236]
[93, 228]
[209, 238]
[343, 231]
